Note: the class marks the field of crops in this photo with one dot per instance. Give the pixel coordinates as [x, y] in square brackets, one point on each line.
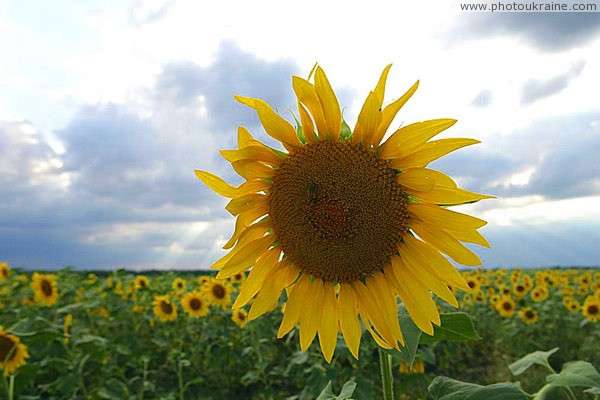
[119, 335]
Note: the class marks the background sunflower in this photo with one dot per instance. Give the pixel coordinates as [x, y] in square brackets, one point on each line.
[45, 291]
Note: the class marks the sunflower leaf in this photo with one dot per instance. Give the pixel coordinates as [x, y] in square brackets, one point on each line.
[576, 373]
[535, 358]
[457, 327]
[345, 394]
[443, 388]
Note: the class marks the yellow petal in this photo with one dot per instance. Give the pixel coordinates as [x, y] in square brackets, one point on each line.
[329, 103]
[216, 184]
[308, 129]
[431, 151]
[433, 261]
[469, 236]
[245, 219]
[372, 311]
[368, 120]
[389, 113]
[407, 139]
[247, 234]
[417, 303]
[348, 313]
[443, 217]
[281, 276]
[307, 95]
[250, 169]
[294, 305]
[246, 256]
[444, 195]
[239, 204]
[310, 318]
[253, 186]
[260, 271]
[256, 153]
[416, 178]
[445, 243]
[243, 136]
[380, 88]
[380, 289]
[328, 326]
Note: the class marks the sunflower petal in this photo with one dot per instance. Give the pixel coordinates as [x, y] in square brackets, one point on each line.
[256, 153]
[445, 243]
[216, 184]
[308, 129]
[329, 103]
[307, 95]
[247, 234]
[246, 256]
[431, 151]
[258, 274]
[469, 236]
[380, 88]
[250, 169]
[416, 179]
[368, 120]
[444, 218]
[245, 219]
[372, 310]
[409, 138]
[328, 326]
[294, 305]
[266, 300]
[348, 314]
[244, 137]
[444, 195]
[389, 113]
[241, 203]
[310, 318]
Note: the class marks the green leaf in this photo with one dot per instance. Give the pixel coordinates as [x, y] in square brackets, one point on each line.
[537, 357]
[443, 388]
[576, 373]
[345, 394]
[411, 334]
[457, 327]
[593, 390]
[346, 131]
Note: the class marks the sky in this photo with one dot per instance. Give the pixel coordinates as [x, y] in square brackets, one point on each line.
[107, 107]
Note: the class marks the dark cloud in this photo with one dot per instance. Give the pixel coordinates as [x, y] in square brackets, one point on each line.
[535, 89]
[562, 152]
[548, 31]
[483, 99]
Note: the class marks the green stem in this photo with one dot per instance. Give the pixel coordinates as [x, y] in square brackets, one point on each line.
[387, 379]
[180, 378]
[11, 387]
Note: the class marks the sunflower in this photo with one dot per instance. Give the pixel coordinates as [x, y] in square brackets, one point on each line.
[203, 280]
[343, 221]
[528, 315]
[591, 309]
[237, 278]
[473, 284]
[218, 293]
[179, 284]
[539, 293]
[506, 307]
[67, 327]
[4, 271]
[44, 289]
[194, 304]
[574, 306]
[240, 317]
[141, 282]
[164, 309]
[520, 290]
[12, 352]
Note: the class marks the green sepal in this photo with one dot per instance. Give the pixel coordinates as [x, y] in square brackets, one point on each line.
[346, 132]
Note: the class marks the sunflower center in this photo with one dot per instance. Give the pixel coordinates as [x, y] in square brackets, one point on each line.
[507, 306]
[46, 288]
[218, 291]
[195, 304]
[241, 317]
[529, 314]
[166, 307]
[6, 346]
[142, 283]
[337, 211]
[593, 310]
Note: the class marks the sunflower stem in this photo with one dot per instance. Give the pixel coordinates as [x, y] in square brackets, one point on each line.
[11, 387]
[387, 378]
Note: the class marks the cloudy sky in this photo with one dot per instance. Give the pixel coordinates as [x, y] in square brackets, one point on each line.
[107, 107]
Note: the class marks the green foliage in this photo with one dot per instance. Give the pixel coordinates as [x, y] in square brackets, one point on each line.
[443, 388]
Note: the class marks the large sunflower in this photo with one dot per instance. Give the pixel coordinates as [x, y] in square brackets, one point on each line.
[12, 352]
[45, 289]
[344, 222]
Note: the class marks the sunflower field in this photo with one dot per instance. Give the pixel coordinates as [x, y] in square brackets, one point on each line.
[168, 335]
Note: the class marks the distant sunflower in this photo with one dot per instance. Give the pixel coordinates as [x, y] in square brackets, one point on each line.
[12, 352]
[539, 293]
[506, 307]
[335, 220]
[218, 293]
[528, 315]
[194, 304]
[240, 317]
[591, 309]
[4, 271]
[574, 306]
[473, 284]
[164, 308]
[179, 284]
[45, 290]
[202, 280]
[141, 282]
[237, 278]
